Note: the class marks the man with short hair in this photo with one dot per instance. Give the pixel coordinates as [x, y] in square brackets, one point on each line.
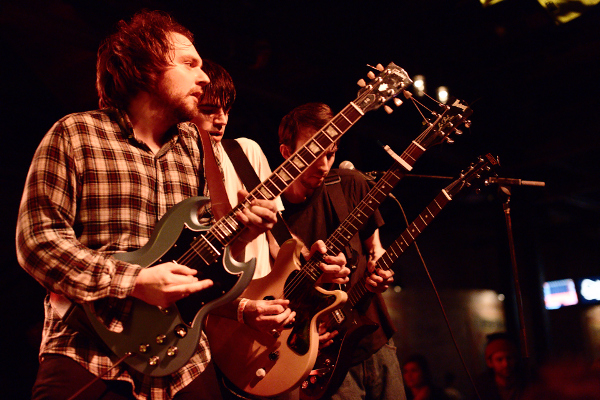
[311, 213]
[504, 379]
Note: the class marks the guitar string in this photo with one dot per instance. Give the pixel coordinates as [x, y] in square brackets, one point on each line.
[399, 246]
[408, 153]
[199, 246]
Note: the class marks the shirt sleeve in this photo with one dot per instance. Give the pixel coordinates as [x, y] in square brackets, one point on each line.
[46, 240]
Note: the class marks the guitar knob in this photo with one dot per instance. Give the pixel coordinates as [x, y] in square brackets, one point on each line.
[181, 330]
[160, 339]
[153, 360]
[261, 373]
[274, 356]
[144, 347]
[172, 351]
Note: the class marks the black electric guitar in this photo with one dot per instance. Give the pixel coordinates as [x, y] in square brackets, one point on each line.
[267, 365]
[159, 341]
[334, 360]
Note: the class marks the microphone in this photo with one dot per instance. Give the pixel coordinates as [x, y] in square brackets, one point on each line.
[372, 176]
[369, 176]
[514, 182]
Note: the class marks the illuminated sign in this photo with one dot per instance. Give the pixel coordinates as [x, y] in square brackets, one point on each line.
[560, 293]
[589, 290]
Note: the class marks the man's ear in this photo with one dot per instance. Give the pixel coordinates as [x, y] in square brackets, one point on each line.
[285, 151]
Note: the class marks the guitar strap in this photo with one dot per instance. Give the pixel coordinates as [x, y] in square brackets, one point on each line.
[250, 179]
[214, 178]
[333, 188]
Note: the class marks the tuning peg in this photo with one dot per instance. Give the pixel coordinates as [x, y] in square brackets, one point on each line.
[458, 132]
[361, 83]
[379, 67]
[407, 94]
[371, 75]
[397, 102]
[388, 109]
[468, 123]
[450, 140]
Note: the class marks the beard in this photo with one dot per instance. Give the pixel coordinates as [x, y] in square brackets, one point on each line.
[174, 106]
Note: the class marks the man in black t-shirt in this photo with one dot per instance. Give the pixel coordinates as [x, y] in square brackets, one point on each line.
[313, 204]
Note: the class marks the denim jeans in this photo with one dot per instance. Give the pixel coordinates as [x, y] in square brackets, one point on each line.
[378, 377]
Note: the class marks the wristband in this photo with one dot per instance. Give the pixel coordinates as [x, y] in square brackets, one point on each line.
[240, 309]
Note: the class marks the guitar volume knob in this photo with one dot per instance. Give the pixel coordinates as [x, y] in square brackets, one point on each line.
[181, 330]
[160, 339]
[172, 351]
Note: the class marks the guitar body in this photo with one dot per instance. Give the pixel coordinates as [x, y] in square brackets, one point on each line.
[162, 340]
[333, 361]
[260, 363]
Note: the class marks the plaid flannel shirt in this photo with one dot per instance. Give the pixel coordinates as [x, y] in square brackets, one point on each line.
[92, 190]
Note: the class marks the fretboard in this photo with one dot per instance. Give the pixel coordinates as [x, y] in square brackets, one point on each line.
[224, 231]
[363, 211]
[396, 249]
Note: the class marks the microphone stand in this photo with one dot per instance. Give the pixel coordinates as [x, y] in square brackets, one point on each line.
[505, 191]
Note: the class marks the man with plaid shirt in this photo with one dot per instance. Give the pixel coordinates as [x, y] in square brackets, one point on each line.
[98, 183]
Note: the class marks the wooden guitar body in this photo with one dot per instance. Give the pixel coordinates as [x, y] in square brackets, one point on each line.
[266, 364]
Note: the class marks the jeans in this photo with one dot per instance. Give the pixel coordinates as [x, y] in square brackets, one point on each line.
[378, 377]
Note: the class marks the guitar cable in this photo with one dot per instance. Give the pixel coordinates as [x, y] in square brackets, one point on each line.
[439, 300]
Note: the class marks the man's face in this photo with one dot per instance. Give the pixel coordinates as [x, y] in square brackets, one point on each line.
[179, 88]
[503, 363]
[212, 119]
[314, 176]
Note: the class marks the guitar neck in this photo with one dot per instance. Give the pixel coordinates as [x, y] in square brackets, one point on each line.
[227, 228]
[395, 250]
[357, 219]
[389, 83]
[476, 172]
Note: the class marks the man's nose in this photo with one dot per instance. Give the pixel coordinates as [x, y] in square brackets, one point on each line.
[220, 118]
[201, 78]
[322, 163]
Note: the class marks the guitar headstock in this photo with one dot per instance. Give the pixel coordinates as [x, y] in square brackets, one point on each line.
[391, 81]
[476, 174]
[444, 122]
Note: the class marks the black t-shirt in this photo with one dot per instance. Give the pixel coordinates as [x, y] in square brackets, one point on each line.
[316, 218]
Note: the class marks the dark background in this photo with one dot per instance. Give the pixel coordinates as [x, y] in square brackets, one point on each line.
[532, 83]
